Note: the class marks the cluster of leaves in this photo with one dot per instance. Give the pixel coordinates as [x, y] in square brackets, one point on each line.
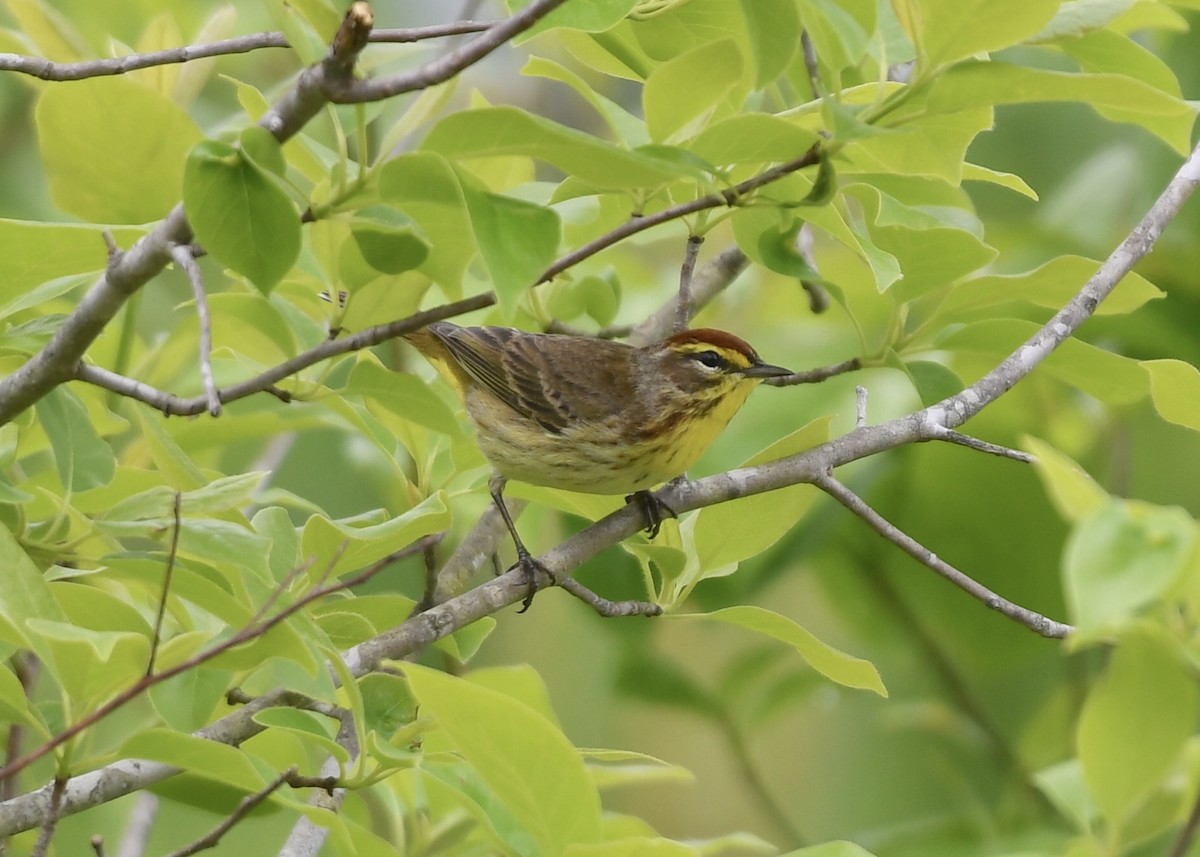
[487, 200]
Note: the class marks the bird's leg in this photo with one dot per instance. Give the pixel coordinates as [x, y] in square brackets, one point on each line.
[653, 509]
[529, 566]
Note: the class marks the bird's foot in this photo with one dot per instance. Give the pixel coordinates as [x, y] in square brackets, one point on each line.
[530, 567]
[653, 509]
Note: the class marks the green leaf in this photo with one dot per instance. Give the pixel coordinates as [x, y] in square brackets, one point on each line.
[426, 188]
[1109, 377]
[1175, 390]
[830, 849]
[1123, 98]
[684, 91]
[594, 16]
[751, 138]
[403, 394]
[239, 214]
[1050, 285]
[731, 532]
[114, 151]
[517, 241]
[632, 846]
[933, 381]
[83, 458]
[523, 757]
[493, 131]
[774, 30]
[977, 173]
[24, 595]
[949, 30]
[37, 260]
[1079, 17]
[248, 324]
[1063, 784]
[390, 249]
[186, 702]
[1135, 722]
[14, 704]
[92, 664]
[350, 547]
[835, 665]
[209, 759]
[1122, 558]
[1074, 493]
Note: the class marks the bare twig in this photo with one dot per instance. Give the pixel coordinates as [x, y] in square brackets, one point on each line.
[183, 257]
[50, 824]
[683, 312]
[713, 278]
[1030, 619]
[156, 640]
[245, 806]
[606, 608]
[307, 838]
[730, 196]
[816, 376]
[810, 63]
[54, 71]
[984, 446]
[173, 405]
[860, 406]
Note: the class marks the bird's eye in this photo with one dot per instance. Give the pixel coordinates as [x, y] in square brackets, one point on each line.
[711, 359]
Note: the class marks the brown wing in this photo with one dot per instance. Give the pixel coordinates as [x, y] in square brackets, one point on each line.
[553, 380]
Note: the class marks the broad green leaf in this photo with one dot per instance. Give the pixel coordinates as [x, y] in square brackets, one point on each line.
[193, 75]
[977, 173]
[103, 162]
[830, 849]
[14, 704]
[92, 665]
[24, 595]
[523, 757]
[933, 381]
[405, 395]
[493, 131]
[1175, 390]
[610, 768]
[835, 665]
[517, 241]
[1072, 491]
[593, 17]
[239, 214]
[1109, 377]
[208, 759]
[626, 127]
[349, 547]
[684, 91]
[1051, 285]
[731, 532]
[37, 260]
[949, 30]
[1107, 51]
[51, 32]
[1135, 722]
[972, 83]
[171, 462]
[425, 187]
[841, 32]
[390, 249]
[774, 30]
[1063, 784]
[186, 702]
[1077, 18]
[83, 458]
[308, 726]
[1122, 558]
[248, 324]
[751, 138]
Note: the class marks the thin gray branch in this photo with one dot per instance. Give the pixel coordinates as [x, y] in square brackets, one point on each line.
[54, 71]
[173, 405]
[184, 258]
[860, 406]
[1030, 619]
[714, 277]
[307, 838]
[683, 311]
[983, 446]
[816, 376]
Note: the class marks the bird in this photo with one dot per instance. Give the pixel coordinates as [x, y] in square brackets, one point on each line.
[592, 415]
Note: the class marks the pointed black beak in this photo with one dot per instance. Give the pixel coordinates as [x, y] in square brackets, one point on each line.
[765, 370]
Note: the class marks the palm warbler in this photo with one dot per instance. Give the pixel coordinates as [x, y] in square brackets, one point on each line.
[592, 415]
